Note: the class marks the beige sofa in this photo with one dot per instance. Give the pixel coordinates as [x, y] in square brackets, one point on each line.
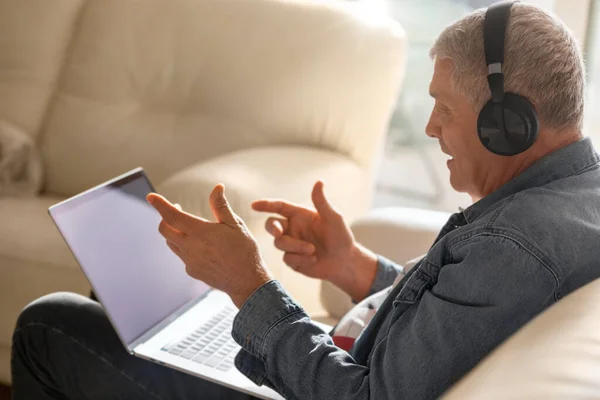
[555, 356]
[265, 96]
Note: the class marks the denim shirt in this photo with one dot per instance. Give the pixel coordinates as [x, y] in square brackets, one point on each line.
[492, 268]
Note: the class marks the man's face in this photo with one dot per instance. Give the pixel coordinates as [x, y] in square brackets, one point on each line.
[454, 123]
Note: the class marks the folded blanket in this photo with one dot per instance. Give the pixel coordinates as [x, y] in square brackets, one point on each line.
[21, 172]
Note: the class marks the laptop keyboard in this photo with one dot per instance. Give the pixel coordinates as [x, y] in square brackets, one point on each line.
[211, 344]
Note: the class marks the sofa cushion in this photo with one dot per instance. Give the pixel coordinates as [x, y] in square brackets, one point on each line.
[29, 234]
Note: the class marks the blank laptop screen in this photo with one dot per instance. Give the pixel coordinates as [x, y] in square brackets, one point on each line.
[113, 233]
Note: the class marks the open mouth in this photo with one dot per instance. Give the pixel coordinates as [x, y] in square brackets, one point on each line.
[450, 157]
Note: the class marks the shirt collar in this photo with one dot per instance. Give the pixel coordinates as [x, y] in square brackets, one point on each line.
[559, 164]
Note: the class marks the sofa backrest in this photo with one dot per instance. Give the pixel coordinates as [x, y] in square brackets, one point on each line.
[168, 83]
[34, 35]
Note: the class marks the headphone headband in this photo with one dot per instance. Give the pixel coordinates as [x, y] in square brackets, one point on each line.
[494, 33]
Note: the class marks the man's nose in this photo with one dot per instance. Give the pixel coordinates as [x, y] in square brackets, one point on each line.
[433, 127]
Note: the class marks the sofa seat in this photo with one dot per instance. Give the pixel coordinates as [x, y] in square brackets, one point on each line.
[29, 234]
[34, 261]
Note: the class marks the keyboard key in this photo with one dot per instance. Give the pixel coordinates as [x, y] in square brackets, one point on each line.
[200, 358]
[224, 367]
[188, 354]
[227, 361]
[213, 361]
[175, 351]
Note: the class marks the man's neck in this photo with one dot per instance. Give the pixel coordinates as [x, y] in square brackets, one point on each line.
[546, 143]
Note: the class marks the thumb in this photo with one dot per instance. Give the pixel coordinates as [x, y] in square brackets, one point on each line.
[220, 206]
[324, 208]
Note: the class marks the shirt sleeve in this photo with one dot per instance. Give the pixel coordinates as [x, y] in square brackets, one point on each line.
[387, 271]
[478, 300]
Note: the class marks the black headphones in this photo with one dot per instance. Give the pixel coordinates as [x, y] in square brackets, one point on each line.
[508, 124]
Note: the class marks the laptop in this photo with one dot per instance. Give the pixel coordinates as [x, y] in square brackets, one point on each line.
[158, 311]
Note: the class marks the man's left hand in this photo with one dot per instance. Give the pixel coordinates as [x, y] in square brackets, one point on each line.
[222, 254]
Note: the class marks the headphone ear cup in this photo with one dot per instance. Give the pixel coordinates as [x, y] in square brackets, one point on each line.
[520, 121]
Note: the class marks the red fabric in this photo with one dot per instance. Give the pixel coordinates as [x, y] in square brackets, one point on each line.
[344, 342]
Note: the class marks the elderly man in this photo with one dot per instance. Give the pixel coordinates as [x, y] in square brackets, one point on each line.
[513, 132]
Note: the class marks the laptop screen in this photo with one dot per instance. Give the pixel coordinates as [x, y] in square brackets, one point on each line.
[113, 233]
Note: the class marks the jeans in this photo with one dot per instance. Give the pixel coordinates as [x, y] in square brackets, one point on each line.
[64, 347]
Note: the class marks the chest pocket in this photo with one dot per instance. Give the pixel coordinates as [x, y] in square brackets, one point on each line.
[425, 275]
[418, 282]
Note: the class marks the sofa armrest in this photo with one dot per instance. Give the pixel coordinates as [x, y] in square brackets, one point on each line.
[398, 233]
[556, 355]
[287, 172]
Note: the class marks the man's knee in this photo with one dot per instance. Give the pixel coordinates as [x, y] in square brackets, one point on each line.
[49, 308]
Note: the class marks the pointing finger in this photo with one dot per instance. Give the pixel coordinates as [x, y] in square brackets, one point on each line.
[280, 207]
[170, 214]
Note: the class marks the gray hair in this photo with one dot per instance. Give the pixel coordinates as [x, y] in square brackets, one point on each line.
[542, 62]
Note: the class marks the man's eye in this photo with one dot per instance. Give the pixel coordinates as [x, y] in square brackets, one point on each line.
[443, 110]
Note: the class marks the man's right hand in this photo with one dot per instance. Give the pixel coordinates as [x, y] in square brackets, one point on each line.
[318, 243]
